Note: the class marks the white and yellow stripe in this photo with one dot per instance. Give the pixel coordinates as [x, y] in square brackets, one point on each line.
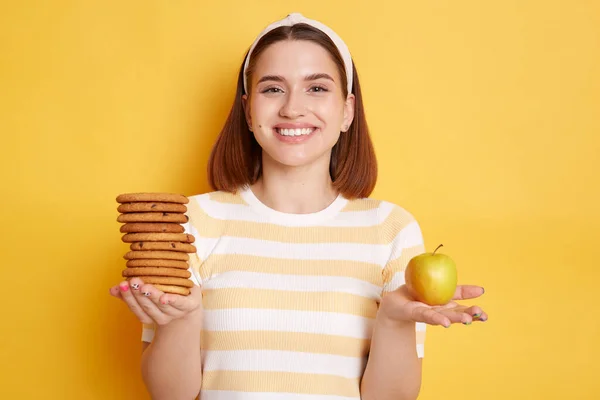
[290, 300]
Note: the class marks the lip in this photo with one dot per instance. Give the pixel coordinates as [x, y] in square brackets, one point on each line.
[289, 125]
[294, 139]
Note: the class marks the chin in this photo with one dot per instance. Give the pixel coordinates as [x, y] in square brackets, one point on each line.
[295, 160]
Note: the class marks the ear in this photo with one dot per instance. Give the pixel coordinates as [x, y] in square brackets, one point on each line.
[246, 107]
[348, 112]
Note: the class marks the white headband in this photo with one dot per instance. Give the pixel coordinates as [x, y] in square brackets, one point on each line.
[296, 18]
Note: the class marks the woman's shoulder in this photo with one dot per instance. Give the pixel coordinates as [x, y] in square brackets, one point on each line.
[217, 196]
[383, 210]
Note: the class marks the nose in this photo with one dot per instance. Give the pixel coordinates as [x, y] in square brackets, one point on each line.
[293, 105]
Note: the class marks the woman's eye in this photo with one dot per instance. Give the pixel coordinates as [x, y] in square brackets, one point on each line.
[271, 90]
[318, 89]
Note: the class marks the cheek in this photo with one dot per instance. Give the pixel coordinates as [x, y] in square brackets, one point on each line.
[263, 109]
[331, 110]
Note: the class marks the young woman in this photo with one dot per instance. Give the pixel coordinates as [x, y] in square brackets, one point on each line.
[299, 275]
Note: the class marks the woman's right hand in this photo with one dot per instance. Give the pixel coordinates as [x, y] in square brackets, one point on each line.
[151, 305]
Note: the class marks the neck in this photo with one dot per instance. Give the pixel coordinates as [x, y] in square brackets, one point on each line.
[295, 190]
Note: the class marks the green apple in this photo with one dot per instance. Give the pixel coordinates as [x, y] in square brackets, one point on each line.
[431, 278]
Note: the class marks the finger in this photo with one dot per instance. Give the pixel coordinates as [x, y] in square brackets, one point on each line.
[115, 292]
[473, 311]
[186, 303]
[455, 307]
[431, 317]
[464, 292]
[451, 304]
[131, 301]
[148, 297]
[156, 296]
[163, 302]
[476, 313]
[457, 316]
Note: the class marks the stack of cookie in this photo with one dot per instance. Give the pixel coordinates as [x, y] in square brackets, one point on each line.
[152, 226]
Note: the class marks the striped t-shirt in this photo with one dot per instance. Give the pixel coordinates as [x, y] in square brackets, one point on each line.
[290, 299]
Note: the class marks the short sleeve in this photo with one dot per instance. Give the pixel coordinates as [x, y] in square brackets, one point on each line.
[194, 268]
[408, 243]
[194, 261]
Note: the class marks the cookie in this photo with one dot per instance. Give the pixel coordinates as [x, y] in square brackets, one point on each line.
[152, 271]
[157, 263]
[163, 255]
[172, 289]
[149, 227]
[171, 246]
[158, 237]
[166, 280]
[160, 197]
[153, 217]
[147, 207]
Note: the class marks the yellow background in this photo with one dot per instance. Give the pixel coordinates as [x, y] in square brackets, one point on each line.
[485, 116]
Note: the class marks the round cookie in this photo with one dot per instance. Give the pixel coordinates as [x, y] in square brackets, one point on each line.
[158, 237]
[149, 227]
[170, 246]
[161, 197]
[166, 280]
[157, 254]
[157, 263]
[148, 207]
[153, 217]
[152, 271]
[172, 289]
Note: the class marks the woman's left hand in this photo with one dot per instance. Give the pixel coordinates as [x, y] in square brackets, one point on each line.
[399, 306]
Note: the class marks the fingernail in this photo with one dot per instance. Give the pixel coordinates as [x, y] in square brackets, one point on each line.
[483, 319]
[124, 288]
[146, 293]
[477, 315]
[482, 290]
[135, 286]
[467, 323]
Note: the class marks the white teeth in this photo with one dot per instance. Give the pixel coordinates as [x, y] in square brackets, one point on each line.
[295, 132]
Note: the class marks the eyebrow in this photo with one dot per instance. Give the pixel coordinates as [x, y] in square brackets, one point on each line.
[311, 77]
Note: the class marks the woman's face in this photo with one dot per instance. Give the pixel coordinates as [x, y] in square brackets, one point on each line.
[296, 108]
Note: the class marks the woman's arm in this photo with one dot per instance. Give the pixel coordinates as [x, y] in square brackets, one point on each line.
[393, 371]
[171, 364]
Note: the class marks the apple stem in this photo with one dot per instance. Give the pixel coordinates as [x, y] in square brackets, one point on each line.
[437, 248]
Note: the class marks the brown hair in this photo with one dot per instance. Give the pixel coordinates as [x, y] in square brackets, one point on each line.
[236, 157]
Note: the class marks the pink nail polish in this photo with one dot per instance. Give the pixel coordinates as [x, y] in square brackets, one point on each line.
[124, 288]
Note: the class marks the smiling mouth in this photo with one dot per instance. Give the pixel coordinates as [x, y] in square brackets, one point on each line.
[295, 132]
